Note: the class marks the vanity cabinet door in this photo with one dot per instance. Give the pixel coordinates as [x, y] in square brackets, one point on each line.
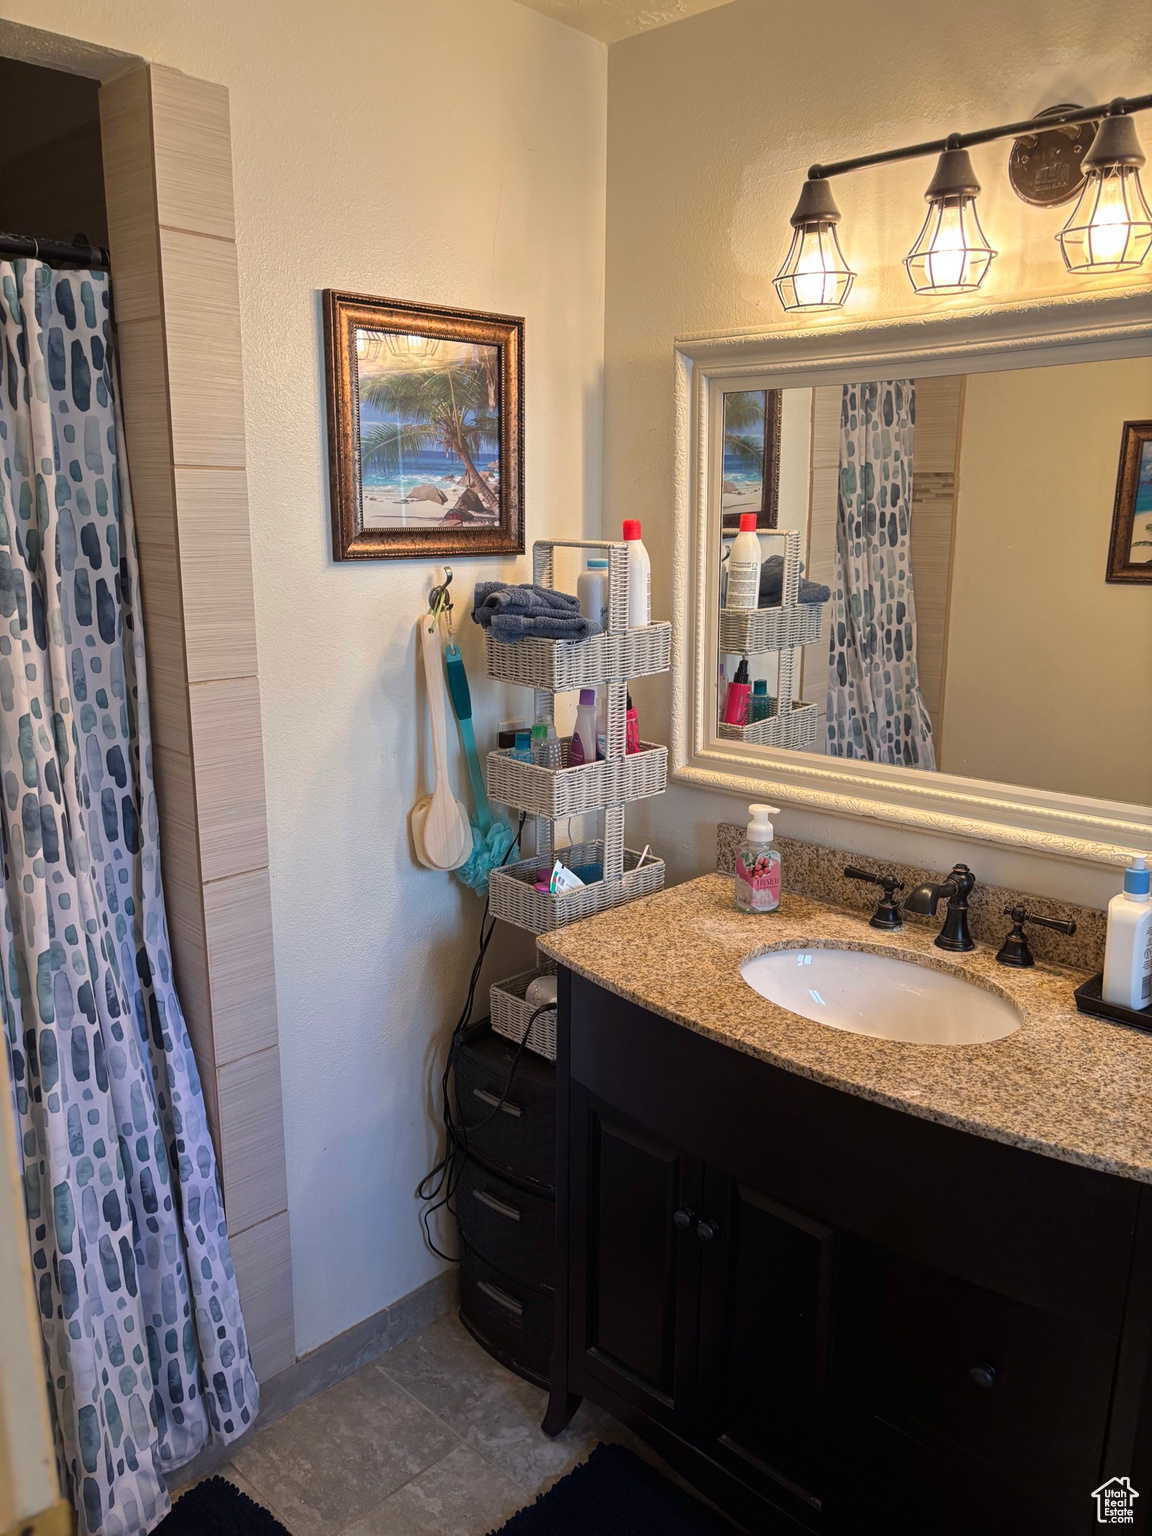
[634, 1298]
[765, 1332]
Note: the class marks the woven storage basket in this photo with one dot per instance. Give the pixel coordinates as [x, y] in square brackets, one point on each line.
[515, 900]
[768, 629]
[556, 666]
[559, 792]
[510, 1013]
[795, 729]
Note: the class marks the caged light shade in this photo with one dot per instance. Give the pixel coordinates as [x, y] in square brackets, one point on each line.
[815, 274]
[1110, 229]
[951, 254]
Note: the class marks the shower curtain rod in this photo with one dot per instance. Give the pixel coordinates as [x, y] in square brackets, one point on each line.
[53, 251]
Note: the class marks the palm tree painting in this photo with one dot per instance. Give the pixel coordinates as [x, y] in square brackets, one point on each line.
[751, 455]
[425, 429]
[1130, 547]
[429, 431]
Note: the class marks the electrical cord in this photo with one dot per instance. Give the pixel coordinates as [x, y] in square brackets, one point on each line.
[438, 1186]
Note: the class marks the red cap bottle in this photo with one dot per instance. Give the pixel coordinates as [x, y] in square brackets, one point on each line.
[631, 527]
[747, 523]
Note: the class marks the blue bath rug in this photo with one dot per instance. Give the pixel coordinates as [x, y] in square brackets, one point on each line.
[215, 1508]
[614, 1493]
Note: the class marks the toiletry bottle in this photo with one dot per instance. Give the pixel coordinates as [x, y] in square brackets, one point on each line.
[601, 724]
[631, 729]
[539, 737]
[522, 751]
[1128, 947]
[758, 864]
[639, 577]
[759, 705]
[551, 753]
[744, 566]
[736, 704]
[582, 748]
[592, 590]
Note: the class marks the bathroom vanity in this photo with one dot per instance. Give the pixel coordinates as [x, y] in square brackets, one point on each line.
[844, 1283]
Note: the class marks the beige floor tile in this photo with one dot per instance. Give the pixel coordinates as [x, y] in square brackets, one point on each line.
[327, 1463]
[494, 1411]
[460, 1496]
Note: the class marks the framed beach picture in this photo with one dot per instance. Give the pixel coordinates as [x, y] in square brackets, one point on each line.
[751, 465]
[425, 429]
[1130, 551]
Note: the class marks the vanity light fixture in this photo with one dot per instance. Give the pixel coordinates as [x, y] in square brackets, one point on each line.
[951, 254]
[1110, 229]
[815, 274]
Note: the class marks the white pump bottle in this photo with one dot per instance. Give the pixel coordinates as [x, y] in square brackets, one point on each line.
[1128, 948]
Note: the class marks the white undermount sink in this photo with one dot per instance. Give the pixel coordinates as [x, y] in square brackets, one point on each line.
[880, 995]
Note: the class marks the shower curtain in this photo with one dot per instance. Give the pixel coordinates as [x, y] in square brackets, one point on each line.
[875, 708]
[144, 1341]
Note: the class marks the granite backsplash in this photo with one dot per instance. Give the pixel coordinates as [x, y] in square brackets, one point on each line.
[810, 870]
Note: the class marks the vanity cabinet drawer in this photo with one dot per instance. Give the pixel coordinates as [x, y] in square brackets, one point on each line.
[513, 1229]
[512, 1321]
[1021, 1391]
[519, 1137]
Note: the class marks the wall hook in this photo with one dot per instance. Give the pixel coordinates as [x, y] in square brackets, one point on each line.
[438, 599]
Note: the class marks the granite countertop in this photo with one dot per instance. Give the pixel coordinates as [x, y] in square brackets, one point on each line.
[1066, 1085]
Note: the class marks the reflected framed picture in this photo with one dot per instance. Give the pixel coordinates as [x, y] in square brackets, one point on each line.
[1130, 552]
[751, 457]
[425, 429]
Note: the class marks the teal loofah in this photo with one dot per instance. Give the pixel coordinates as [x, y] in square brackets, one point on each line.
[489, 850]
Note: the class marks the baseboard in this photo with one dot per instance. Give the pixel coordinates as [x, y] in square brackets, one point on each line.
[332, 1362]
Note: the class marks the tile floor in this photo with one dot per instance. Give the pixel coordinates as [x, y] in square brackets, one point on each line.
[433, 1439]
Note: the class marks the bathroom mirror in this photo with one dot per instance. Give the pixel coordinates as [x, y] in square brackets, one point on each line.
[936, 638]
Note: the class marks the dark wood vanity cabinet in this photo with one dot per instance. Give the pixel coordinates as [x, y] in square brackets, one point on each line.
[834, 1316]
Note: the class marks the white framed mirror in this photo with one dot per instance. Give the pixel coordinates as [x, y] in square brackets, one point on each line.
[938, 638]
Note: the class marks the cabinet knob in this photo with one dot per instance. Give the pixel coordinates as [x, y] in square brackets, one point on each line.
[684, 1218]
[983, 1376]
[706, 1231]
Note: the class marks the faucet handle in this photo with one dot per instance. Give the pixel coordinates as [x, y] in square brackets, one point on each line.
[887, 914]
[1015, 951]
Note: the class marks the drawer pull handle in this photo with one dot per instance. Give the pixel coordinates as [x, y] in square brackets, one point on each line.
[501, 1207]
[684, 1218]
[490, 1098]
[501, 1298]
[983, 1376]
[706, 1231]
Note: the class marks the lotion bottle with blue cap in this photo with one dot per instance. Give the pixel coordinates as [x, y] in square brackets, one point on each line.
[1128, 949]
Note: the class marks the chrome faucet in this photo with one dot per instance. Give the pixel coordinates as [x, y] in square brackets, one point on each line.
[954, 934]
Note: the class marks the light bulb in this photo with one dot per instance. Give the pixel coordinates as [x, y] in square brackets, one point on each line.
[361, 344]
[951, 253]
[815, 274]
[1111, 226]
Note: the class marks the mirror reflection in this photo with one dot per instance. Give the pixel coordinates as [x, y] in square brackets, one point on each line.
[919, 572]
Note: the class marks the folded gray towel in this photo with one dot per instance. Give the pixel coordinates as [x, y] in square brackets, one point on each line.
[542, 626]
[516, 613]
[493, 597]
[772, 585]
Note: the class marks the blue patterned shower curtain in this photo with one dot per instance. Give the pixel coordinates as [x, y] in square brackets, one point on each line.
[144, 1341]
[875, 708]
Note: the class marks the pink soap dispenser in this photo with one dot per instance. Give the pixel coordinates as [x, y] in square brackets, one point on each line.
[758, 864]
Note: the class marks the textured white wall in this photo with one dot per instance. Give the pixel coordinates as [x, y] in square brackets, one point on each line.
[450, 151]
[712, 124]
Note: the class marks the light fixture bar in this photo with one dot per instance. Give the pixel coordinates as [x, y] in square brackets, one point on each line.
[1121, 105]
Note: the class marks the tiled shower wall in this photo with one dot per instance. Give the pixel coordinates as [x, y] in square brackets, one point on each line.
[168, 178]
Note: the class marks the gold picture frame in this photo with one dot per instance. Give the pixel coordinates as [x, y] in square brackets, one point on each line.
[425, 429]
